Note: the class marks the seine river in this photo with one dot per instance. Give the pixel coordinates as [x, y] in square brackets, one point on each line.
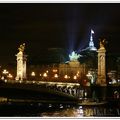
[10, 109]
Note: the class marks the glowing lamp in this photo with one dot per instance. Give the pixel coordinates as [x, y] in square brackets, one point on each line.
[66, 76]
[45, 75]
[54, 70]
[33, 74]
[56, 75]
[5, 71]
[75, 77]
[9, 75]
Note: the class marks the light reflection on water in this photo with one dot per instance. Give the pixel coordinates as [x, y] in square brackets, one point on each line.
[57, 110]
[83, 112]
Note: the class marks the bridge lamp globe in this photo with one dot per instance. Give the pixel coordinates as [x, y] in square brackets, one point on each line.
[45, 75]
[33, 81]
[56, 76]
[10, 76]
[5, 71]
[75, 77]
[20, 81]
[2, 77]
[66, 76]
[33, 74]
[54, 70]
[5, 80]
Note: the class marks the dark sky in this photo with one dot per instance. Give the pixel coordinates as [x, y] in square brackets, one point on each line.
[42, 26]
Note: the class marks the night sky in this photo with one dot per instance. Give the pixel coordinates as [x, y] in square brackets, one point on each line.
[67, 26]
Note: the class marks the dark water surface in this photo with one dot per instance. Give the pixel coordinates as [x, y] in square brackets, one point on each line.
[15, 109]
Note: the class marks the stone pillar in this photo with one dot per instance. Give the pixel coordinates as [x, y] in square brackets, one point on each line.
[19, 66]
[101, 80]
[24, 66]
[21, 63]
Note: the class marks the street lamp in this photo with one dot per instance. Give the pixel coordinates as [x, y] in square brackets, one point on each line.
[55, 70]
[45, 75]
[10, 76]
[75, 77]
[5, 72]
[55, 75]
[32, 73]
[66, 76]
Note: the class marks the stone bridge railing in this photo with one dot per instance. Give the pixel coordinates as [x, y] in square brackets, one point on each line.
[68, 88]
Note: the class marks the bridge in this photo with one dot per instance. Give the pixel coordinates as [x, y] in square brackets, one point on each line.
[40, 91]
[60, 92]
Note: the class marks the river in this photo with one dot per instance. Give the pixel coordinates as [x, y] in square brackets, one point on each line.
[22, 109]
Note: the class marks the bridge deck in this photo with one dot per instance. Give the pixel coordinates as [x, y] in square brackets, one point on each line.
[34, 91]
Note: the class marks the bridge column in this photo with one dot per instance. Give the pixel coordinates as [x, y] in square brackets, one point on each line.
[21, 63]
[101, 80]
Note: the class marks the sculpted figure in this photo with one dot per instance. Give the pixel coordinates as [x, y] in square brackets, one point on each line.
[102, 43]
[22, 47]
[74, 56]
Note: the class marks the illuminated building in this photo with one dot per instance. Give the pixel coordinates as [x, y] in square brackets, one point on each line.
[91, 46]
[91, 43]
[89, 54]
[72, 67]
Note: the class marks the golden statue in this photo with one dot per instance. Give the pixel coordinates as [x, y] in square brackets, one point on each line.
[102, 43]
[22, 47]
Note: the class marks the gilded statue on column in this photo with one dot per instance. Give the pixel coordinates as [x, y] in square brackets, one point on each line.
[102, 44]
[22, 47]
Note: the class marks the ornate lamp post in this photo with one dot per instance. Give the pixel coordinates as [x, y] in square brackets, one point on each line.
[5, 73]
[33, 75]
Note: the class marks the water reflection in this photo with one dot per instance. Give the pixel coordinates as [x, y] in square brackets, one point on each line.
[56, 110]
[83, 111]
